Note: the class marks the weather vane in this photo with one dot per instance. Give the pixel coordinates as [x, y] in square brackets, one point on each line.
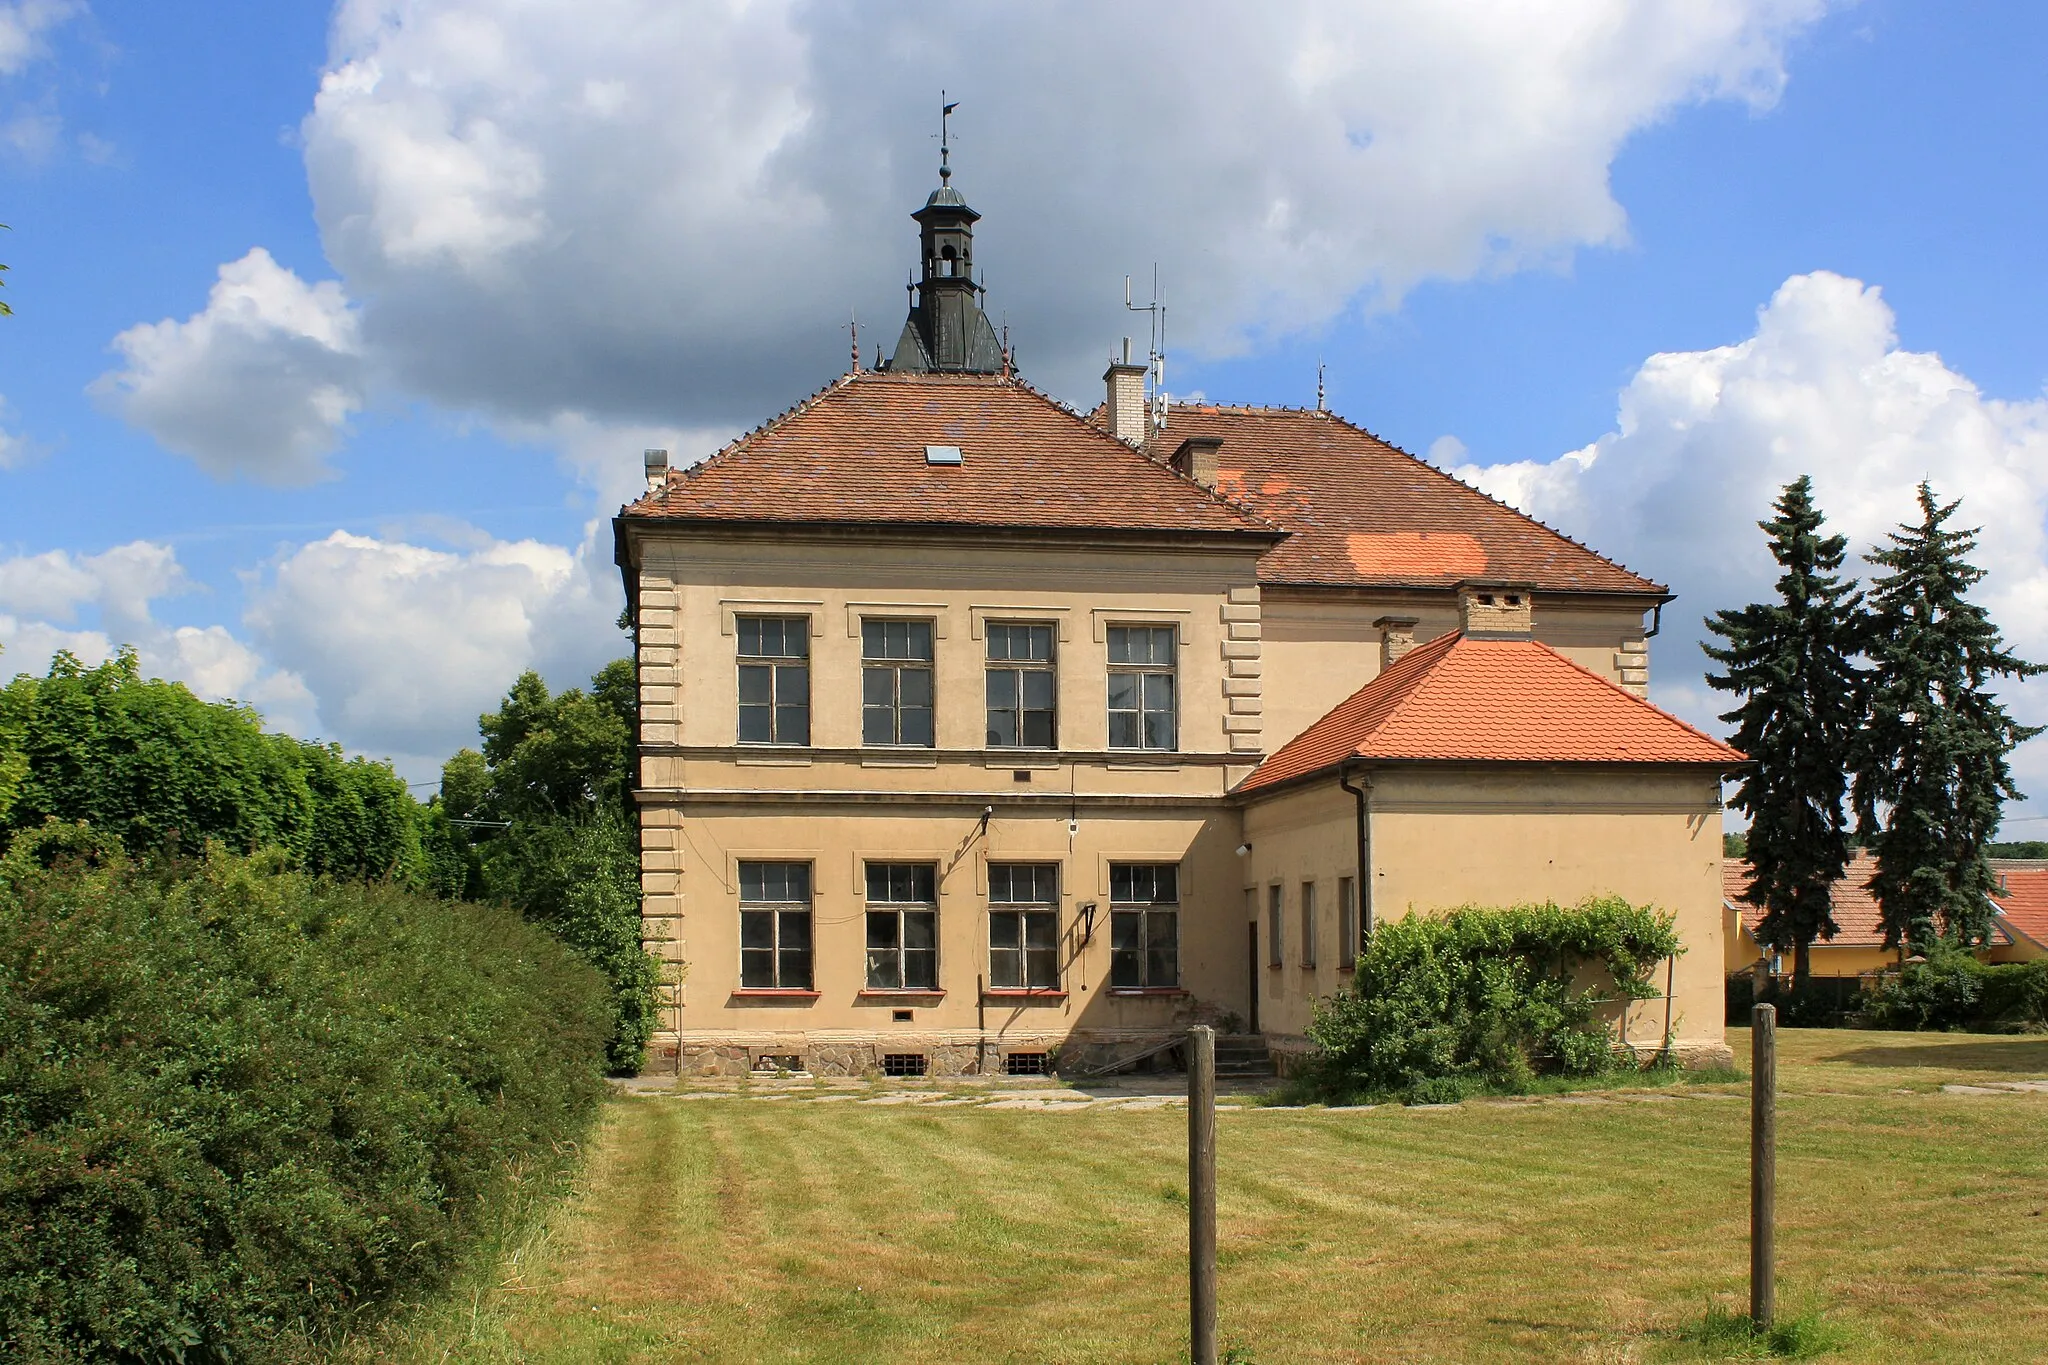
[945, 143]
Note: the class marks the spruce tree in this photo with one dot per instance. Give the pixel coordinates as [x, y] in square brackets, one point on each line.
[1791, 661]
[1932, 774]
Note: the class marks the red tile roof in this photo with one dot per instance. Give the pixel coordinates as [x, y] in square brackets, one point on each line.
[1364, 513]
[854, 454]
[2024, 903]
[1855, 909]
[1463, 699]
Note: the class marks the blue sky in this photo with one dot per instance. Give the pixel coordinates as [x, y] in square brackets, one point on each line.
[505, 246]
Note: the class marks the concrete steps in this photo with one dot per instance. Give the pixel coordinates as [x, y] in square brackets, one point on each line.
[1243, 1054]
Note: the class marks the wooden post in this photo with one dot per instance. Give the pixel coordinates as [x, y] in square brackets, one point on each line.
[1763, 1160]
[1202, 1195]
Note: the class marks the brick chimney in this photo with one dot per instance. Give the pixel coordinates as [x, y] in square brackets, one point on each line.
[1494, 611]
[657, 469]
[1196, 458]
[1397, 636]
[1126, 408]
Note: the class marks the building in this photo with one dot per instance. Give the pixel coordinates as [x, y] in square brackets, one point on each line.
[1858, 948]
[954, 706]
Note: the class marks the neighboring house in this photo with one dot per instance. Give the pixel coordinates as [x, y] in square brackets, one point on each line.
[2022, 901]
[956, 709]
[1858, 947]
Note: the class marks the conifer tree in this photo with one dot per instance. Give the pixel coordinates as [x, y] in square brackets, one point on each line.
[1932, 774]
[1802, 703]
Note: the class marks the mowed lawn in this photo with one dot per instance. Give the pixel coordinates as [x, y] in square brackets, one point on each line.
[1591, 1228]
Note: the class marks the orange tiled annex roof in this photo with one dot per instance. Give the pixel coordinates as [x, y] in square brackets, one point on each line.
[1858, 920]
[1466, 699]
[1362, 512]
[2023, 903]
[854, 454]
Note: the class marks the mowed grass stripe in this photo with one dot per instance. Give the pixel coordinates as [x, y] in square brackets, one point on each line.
[737, 1230]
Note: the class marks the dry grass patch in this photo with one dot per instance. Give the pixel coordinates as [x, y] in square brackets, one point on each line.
[741, 1230]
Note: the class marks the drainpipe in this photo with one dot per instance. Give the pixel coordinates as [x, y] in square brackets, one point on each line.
[1364, 848]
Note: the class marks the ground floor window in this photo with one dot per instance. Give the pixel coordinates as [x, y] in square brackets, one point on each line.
[1144, 925]
[1024, 926]
[903, 927]
[1348, 946]
[775, 926]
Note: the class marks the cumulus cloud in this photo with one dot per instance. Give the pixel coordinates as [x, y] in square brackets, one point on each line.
[90, 605]
[646, 212]
[1704, 440]
[16, 450]
[260, 383]
[405, 645]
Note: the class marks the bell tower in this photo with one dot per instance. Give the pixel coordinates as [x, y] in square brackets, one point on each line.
[947, 331]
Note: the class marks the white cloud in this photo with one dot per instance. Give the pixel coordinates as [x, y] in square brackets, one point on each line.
[1706, 439]
[23, 24]
[404, 645]
[44, 596]
[260, 383]
[649, 213]
[16, 450]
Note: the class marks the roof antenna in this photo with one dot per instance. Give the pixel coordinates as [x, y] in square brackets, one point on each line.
[945, 143]
[1157, 355]
[1319, 386]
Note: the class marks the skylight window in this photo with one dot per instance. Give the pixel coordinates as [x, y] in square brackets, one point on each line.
[942, 454]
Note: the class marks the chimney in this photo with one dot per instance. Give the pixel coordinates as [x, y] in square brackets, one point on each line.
[1494, 611]
[1196, 458]
[657, 469]
[1397, 636]
[1126, 399]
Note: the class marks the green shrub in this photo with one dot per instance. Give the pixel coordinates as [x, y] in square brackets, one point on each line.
[243, 1109]
[1483, 999]
[1952, 990]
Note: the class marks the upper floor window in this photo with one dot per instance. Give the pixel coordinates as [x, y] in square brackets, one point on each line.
[1020, 686]
[1144, 925]
[896, 682]
[775, 926]
[1024, 926]
[1141, 687]
[903, 927]
[775, 679]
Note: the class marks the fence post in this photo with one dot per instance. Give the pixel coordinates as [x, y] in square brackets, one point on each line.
[1763, 1160]
[1202, 1195]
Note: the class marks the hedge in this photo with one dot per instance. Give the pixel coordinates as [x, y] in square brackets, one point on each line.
[243, 1110]
[1483, 998]
[1952, 990]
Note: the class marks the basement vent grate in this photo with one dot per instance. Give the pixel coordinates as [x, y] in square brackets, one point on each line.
[942, 454]
[903, 1064]
[1024, 1064]
[778, 1061]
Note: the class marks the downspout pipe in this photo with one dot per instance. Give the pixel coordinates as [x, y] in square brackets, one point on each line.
[1361, 794]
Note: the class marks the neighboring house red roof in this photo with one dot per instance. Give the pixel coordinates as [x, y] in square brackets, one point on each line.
[1857, 917]
[1465, 699]
[1365, 513]
[2023, 903]
[854, 454]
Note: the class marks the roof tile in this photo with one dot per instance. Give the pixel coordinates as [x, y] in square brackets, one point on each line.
[1859, 922]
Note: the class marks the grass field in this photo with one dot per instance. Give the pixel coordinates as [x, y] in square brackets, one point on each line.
[1593, 1228]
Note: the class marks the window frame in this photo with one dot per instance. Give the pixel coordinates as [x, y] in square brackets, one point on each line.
[776, 666]
[874, 665]
[900, 910]
[1044, 911]
[1308, 923]
[1147, 915]
[1348, 939]
[1139, 673]
[783, 913]
[1019, 670]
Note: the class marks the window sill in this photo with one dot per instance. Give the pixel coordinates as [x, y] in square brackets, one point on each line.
[1163, 992]
[1346, 967]
[766, 996]
[1022, 994]
[773, 757]
[884, 997]
[1043, 759]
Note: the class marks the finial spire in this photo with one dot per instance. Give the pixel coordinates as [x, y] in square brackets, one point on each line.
[853, 325]
[1319, 386]
[945, 142]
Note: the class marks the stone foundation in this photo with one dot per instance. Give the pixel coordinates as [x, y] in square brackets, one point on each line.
[946, 1054]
